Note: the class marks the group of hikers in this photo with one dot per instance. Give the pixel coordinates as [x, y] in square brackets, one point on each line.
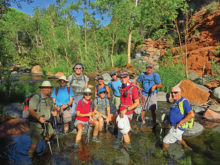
[72, 101]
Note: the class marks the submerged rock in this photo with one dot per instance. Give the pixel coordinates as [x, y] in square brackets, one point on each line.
[196, 130]
[14, 110]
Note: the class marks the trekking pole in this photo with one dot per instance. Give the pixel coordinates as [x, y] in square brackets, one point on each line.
[55, 126]
[47, 134]
[61, 119]
[161, 124]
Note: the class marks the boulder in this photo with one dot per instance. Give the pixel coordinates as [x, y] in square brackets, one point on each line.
[216, 93]
[36, 70]
[58, 74]
[211, 115]
[193, 76]
[198, 109]
[107, 78]
[13, 127]
[161, 96]
[203, 87]
[196, 130]
[209, 124]
[215, 107]
[193, 93]
[14, 110]
[213, 84]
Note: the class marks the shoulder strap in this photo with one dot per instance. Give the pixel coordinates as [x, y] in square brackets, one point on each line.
[97, 101]
[68, 89]
[181, 107]
[39, 102]
[91, 105]
[154, 78]
[72, 79]
[84, 78]
[57, 90]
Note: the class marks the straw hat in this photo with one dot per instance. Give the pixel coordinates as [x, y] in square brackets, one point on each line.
[87, 90]
[63, 78]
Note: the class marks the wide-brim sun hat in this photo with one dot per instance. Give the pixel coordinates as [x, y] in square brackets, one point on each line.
[99, 77]
[46, 84]
[87, 90]
[63, 78]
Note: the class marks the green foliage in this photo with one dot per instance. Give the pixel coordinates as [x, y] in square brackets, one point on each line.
[216, 68]
[217, 53]
[170, 73]
[120, 60]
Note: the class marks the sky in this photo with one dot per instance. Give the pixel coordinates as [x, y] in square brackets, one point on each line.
[29, 9]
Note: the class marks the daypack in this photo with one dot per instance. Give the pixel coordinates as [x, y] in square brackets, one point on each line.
[75, 78]
[25, 113]
[97, 100]
[57, 89]
[138, 109]
[188, 124]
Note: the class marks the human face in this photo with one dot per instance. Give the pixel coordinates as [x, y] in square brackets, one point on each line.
[149, 70]
[100, 81]
[62, 83]
[78, 70]
[102, 95]
[124, 80]
[87, 96]
[114, 77]
[46, 91]
[176, 95]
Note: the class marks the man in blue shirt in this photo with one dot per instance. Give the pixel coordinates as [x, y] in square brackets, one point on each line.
[150, 82]
[63, 99]
[177, 119]
[115, 84]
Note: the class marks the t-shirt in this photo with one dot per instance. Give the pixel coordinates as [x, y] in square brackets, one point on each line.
[62, 97]
[101, 105]
[148, 81]
[115, 86]
[84, 109]
[77, 83]
[126, 99]
[42, 105]
[175, 114]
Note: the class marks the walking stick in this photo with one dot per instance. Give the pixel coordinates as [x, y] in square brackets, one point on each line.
[47, 134]
[55, 126]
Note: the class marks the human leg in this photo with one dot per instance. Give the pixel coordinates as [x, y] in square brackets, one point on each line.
[100, 123]
[79, 133]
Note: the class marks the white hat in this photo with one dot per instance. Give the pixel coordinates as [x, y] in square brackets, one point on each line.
[63, 78]
[46, 84]
[123, 124]
[87, 90]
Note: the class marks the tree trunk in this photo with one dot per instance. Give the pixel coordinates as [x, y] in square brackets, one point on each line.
[129, 46]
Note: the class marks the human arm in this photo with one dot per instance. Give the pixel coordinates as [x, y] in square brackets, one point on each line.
[83, 115]
[188, 117]
[108, 91]
[96, 95]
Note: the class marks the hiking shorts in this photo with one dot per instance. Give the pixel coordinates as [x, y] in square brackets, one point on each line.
[173, 135]
[81, 122]
[117, 102]
[37, 131]
[150, 102]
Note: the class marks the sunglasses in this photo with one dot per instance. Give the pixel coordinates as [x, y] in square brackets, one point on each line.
[78, 68]
[87, 94]
[174, 92]
[101, 92]
[62, 81]
[113, 74]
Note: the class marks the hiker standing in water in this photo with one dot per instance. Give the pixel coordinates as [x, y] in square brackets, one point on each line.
[63, 99]
[129, 101]
[40, 108]
[150, 82]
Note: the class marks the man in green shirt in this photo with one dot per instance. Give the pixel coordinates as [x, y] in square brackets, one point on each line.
[40, 109]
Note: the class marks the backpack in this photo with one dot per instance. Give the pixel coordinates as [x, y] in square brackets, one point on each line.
[138, 109]
[188, 124]
[97, 100]
[25, 113]
[75, 78]
[154, 75]
[57, 89]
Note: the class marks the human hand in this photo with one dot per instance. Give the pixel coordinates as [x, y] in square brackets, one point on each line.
[153, 88]
[42, 119]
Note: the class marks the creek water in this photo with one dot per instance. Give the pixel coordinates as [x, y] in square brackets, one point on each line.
[146, 147]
